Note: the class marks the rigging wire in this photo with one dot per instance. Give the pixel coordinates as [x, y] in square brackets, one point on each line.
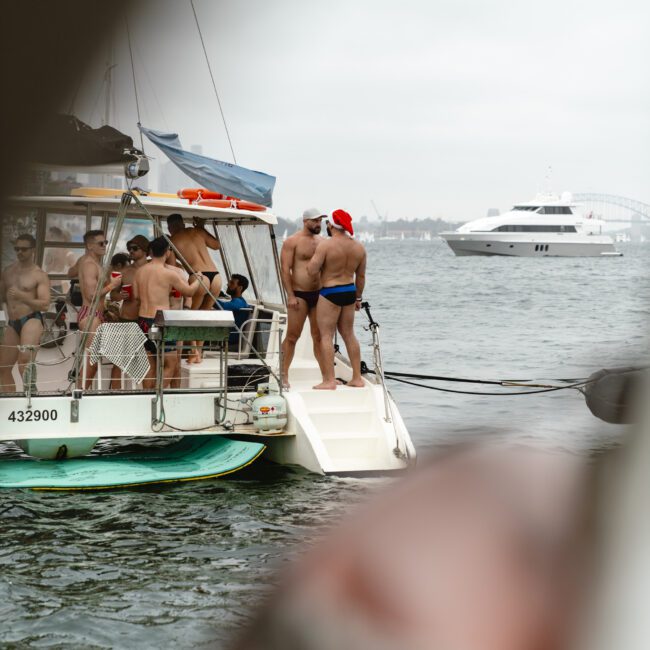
[503, 394]
[135, 85]
[214, 85]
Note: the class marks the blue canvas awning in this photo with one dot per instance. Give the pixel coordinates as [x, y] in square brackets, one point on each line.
[215, 175]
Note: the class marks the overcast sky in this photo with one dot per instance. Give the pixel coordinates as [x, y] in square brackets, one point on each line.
[434, 108]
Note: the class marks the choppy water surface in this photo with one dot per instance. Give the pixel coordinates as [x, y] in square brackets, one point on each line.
[180, 566]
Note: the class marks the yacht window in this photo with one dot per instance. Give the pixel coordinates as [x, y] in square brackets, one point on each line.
[555, 209]
[13, 222]
[130, 228]
[56, 262]
[234, 255]
[526, 208]
[260, 250]
[534, 228]
[61, 227]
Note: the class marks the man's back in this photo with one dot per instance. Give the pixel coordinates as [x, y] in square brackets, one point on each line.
[342, 258]
[191, 242]
[153, 284]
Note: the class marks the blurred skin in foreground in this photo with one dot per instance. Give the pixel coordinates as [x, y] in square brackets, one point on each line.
[482, 549]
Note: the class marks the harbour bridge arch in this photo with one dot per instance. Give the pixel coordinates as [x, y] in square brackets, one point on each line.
[614, 208]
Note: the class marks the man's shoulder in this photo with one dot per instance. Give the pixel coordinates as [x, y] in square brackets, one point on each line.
[40, 274]
[291, 240]
[87, 263]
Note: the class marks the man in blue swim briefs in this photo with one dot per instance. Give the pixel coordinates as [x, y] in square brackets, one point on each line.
[302, 288]
[25, 288]
[340, 261]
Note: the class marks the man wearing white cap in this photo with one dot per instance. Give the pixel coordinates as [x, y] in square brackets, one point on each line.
[302, 289]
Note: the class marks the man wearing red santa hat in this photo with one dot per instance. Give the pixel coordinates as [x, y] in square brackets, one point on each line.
[341, 263]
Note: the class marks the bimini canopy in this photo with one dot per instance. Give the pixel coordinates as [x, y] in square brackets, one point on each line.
[215, 175]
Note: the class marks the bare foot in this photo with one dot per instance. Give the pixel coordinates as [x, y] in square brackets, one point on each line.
[341, 382]
[356, 383]
[326, 385]
[194, 357]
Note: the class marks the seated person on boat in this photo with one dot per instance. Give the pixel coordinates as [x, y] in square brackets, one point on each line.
[25, 288]
[237, 305]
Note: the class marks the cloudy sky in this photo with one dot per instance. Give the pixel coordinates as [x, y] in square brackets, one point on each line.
[430, 108]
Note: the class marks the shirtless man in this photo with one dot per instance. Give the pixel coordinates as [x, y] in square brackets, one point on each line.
[152, 286]
[138, 247]
[193, 245]
[26, 290]
[302, 288]
[341, 263]
[89, 269]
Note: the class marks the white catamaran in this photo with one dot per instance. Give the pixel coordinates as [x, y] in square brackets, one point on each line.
[349, 431]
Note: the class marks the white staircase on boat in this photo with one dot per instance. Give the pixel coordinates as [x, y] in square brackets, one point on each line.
[346, 427]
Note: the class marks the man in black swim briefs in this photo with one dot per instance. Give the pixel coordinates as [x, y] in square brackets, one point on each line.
[302, 289]
[340, 262]
[25, 288]
[194, 244]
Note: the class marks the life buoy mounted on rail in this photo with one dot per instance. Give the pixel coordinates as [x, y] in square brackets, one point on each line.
[210, 199]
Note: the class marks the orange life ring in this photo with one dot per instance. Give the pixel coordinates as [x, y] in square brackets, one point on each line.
[231, 202]
[198, 193]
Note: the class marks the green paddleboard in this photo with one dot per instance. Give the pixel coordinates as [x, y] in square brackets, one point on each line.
[191, 459]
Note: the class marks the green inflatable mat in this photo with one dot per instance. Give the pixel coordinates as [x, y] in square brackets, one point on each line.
[191, 459]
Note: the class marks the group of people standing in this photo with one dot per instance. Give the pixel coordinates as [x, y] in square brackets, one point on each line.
[155, 281]
[324, 279]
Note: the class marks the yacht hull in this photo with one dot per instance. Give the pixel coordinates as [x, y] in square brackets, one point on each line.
[467, 244]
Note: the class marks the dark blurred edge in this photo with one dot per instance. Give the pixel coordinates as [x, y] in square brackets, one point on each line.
[45, 46]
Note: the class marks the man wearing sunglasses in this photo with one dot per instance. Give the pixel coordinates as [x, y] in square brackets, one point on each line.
[138, 248]
[90, 273]
[25, 288]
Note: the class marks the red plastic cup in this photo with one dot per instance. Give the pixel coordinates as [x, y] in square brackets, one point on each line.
[129, 289]
[116, 274]
[175, 293]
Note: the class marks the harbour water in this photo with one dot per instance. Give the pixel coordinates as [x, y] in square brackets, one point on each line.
[181, 566]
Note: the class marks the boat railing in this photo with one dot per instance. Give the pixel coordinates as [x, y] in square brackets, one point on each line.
[254, 355]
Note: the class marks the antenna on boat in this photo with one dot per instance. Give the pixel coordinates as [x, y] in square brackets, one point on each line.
[547, 178]
[214, 85]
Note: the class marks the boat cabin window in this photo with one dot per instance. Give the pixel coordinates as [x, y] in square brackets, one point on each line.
[555, 209]
[15, 221]
[526, 208]
[540, 228]
[234, 257]
[259, 245]
[130, 228]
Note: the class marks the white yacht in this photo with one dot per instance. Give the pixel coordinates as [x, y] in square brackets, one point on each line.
[548, 226]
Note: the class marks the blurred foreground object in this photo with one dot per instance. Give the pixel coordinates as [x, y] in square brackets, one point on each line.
[613, 394]
[485, 548]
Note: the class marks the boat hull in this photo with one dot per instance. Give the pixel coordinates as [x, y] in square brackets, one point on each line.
[466, 244]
